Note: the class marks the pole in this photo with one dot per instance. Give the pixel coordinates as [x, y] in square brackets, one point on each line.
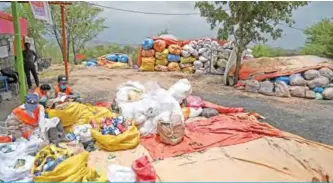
[18, 48]
[64, 42]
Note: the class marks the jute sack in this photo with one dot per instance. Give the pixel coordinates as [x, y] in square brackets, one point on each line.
[171, 133]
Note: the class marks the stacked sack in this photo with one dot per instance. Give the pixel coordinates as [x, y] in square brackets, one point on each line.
[311, 84]
[115, 61]
[161, 56]
[174, 57]
[209, 55]
[148, 59]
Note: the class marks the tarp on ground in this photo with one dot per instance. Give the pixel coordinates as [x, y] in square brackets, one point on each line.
[266, 68]
[218, 131]
[288, 159]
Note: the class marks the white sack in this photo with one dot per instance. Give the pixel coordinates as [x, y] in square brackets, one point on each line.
[180, 90]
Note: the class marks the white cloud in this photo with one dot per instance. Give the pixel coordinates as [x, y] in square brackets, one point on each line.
[132, 28]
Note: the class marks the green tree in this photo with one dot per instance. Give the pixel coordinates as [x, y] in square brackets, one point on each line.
[247, 21]
[319, 39]
[82, 25]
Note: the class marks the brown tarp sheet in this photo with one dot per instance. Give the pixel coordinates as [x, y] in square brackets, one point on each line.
[266, 68]
[265, 159]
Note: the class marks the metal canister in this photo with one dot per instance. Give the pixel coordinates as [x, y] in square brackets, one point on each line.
[121, 128]
[116, 131]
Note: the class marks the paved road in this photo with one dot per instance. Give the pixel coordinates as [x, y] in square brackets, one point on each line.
[315, 124]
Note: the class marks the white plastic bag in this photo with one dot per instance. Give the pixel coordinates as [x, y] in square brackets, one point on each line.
[181, 89]
[203, 59]
[8, 172]
[126, 89]
[118, 173]
[195, 112]
[83, 132]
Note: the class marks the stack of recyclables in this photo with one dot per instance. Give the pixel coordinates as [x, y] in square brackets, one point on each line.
[199, 56]
[310, 84]
[90, 63]
[117, 58]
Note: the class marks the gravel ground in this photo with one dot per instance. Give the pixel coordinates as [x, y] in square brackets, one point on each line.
[313, 123]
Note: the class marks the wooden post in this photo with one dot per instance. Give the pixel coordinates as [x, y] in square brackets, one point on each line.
[64, 40]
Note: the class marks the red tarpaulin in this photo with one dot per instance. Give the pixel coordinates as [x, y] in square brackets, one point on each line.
[7, 27]
[223, 130]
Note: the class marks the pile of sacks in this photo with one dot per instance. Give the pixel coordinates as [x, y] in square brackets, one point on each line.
[200, 56]
[114, 61]
[311, 84]
[158, 56]
[210, 56]
[163, 112]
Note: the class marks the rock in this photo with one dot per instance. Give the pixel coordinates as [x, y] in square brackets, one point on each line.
[320, 81]
[298, 91]
[311, 74]
[252, 86]
[328, 93]
[309, 94]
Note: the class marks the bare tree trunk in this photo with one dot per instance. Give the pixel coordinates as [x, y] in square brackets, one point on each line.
[238, 64]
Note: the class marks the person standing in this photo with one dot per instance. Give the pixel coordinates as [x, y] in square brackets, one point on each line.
[30, 57]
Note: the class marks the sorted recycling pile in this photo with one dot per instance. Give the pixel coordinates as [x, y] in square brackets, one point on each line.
[167, 123]
[310, 84]
[111, 61]
[198, 56]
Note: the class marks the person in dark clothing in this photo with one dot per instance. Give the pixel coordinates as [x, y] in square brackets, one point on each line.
[30, 57]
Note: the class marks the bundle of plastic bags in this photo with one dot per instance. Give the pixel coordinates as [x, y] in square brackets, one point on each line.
[73, 169]
[186, 60]
[162, 55]
[147, 64]
[159, 45]
[112, 57]
[173, 66]
[174, 49]
[122, 58]
[148, 53]
[15, 162]
[147, 44]
[173, 58]
[127, 140]
[154, 104]
[163, 62]
[161, 68]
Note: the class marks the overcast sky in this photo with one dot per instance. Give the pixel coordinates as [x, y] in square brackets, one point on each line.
[132, 28]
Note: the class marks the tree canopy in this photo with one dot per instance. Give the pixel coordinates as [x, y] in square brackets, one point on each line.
[82, 25]
[319, 39]
[247, 21]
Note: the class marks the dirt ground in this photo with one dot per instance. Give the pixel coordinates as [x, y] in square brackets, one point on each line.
[308, 118]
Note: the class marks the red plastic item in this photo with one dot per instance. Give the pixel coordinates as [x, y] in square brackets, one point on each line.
[144, 170]
[222, 130]
[5, 139]
[222, 109]
[121, 128]
[194, 102]
[103, 104]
